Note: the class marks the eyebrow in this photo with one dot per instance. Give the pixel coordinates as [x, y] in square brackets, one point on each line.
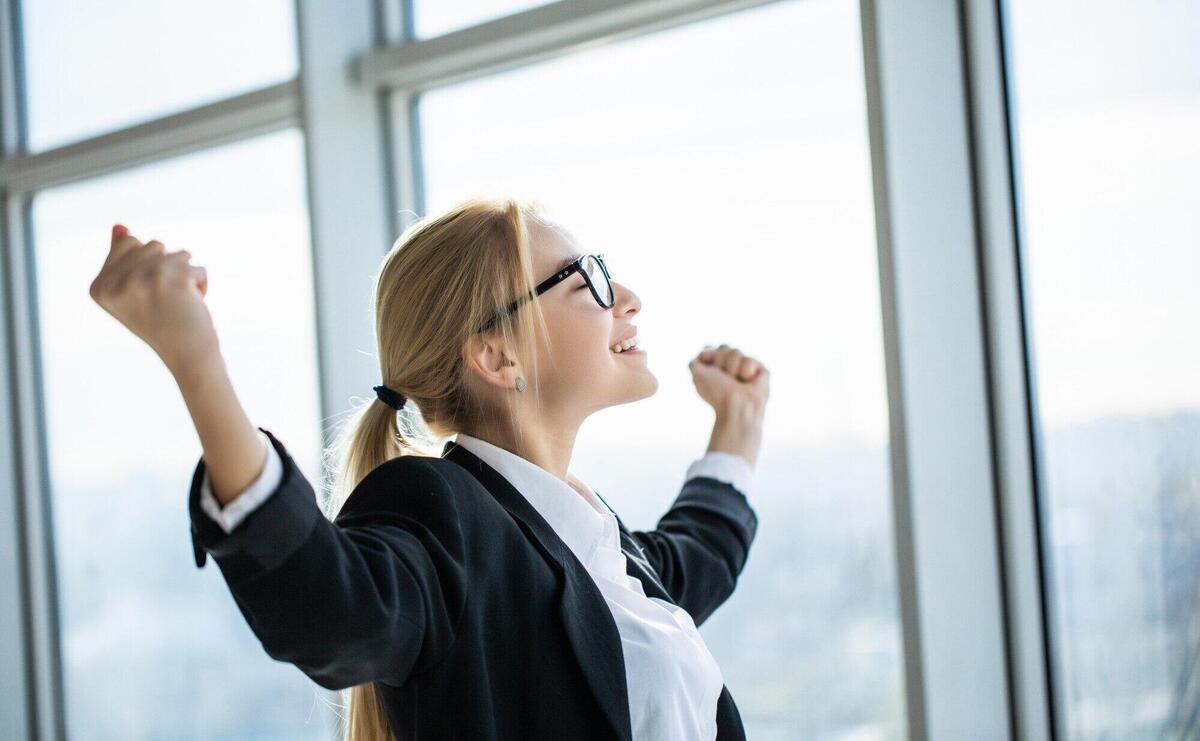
[568, 261]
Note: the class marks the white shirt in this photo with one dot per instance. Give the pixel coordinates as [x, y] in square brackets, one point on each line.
[673, 680]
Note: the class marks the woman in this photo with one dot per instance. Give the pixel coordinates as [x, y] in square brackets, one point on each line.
[485, 593]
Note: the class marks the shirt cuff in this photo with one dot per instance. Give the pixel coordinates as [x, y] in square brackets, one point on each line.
[229, 516]
[730, 468]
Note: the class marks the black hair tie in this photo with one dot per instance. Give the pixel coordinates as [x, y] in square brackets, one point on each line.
[389, 397]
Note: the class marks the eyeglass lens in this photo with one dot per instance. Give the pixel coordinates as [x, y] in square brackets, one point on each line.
[598, 279]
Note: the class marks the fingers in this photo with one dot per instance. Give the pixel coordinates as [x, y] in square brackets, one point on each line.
[140, 257]
[129, 256]
[197, 275]
[733, 361]
[135, 255]
[201, 276]
[747, 368]
[724, 357]
[122, 245]
[116, 263]
[122, 242]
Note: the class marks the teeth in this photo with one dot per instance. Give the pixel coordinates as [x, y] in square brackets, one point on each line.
[623, 346]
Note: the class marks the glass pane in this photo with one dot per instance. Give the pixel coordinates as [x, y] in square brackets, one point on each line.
[94, 67]
[731, 154]
[436, 18]
[152, 647]
[1109, 158]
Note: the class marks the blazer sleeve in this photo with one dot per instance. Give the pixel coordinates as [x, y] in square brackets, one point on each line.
[700, 545]
[374, 595]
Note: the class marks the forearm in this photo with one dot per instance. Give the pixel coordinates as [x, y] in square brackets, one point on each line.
[738, 430]
[233, 452]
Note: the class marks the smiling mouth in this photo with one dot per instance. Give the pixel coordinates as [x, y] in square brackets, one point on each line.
[632, 351]
[634, 345]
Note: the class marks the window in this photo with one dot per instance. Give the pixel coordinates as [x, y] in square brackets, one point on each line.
[151, 646]
[1107, 117]
[95, 67]
[723, 167]
[433, 18]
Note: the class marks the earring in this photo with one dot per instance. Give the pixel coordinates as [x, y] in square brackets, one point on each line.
[520, 384]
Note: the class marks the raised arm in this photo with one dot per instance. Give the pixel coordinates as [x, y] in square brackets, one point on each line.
[373, 595]
[159, 297]
[700, 545]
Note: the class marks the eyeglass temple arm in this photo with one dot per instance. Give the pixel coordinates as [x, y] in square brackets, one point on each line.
[546, 284]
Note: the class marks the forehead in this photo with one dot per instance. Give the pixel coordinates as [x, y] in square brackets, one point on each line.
[553, 246]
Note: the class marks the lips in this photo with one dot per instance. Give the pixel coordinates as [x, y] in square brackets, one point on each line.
[629, 332]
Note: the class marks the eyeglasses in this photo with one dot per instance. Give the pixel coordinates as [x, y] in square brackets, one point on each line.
[594, 271]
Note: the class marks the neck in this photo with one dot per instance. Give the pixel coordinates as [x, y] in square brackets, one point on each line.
[547, 446]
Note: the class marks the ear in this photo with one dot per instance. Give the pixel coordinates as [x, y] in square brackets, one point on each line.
[488, 359]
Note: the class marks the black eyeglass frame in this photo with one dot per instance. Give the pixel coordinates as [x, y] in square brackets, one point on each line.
[559, 277]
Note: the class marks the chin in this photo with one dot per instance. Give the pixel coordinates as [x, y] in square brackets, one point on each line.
[649, 388]
[653, 385]
[643, 390]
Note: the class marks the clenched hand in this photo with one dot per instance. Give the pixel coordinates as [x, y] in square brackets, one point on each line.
[157, 295]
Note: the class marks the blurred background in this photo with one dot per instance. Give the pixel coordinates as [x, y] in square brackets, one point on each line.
[1018, 357]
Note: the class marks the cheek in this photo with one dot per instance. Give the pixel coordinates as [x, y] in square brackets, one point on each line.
[585, 339]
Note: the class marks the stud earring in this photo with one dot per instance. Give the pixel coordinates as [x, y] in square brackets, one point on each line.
[520, 384]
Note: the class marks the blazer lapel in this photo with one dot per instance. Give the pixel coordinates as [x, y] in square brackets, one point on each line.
[589, 623]
[636, 563]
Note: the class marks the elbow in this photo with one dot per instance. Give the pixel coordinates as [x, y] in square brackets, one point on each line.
[353, 653]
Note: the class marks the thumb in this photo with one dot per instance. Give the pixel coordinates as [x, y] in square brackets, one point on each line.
[200, 275]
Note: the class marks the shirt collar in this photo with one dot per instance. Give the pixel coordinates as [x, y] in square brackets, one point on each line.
[578, 522]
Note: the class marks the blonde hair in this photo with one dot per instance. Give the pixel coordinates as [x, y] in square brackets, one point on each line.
[442, 279]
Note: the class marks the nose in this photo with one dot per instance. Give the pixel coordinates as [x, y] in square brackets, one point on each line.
[625, 301]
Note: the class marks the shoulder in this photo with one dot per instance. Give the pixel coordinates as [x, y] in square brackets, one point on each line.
[411, 484]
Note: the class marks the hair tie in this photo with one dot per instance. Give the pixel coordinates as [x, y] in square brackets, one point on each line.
[391, 398]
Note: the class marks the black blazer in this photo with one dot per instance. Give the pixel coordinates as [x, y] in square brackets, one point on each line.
[441, 584]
